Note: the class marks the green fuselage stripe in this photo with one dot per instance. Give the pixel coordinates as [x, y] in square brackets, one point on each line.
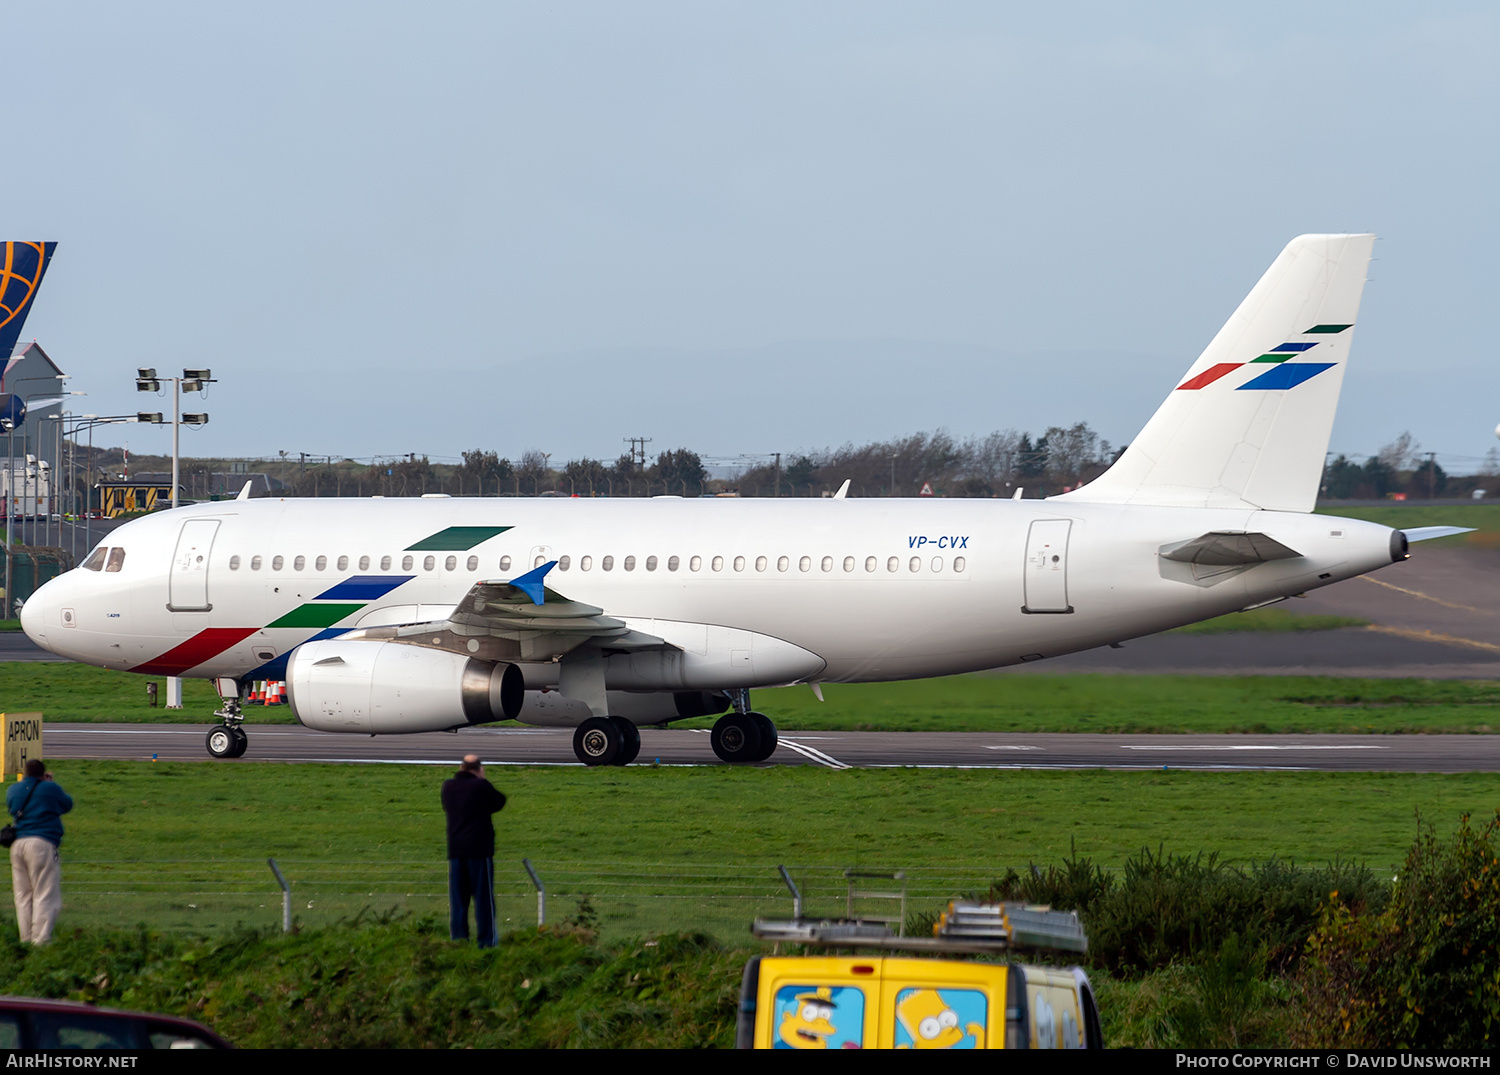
[325, 615]
[457, 538]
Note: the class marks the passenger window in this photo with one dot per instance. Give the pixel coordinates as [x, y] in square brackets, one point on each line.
[893, 564]
[450, 564]
[82, 1031]
[836, 1012]
[539, 561]
[782, 563]
[828, 563]
[673, 563]
[385, 563]
[255, 563]
[958, 563]
[718, 563]
[650, 563]
[95, 562]
[364, 563]
[276, 562]
[406, 562]
[608, 563]
[804, 564]
[429, 562]
[299, 563]
[916, 563]
[739, 563]
[505, 563]
[630, 563]
[343, 563]
[870, 563]
[937, 563]
[564, 562]
[116, 559]
[848, 563]
[234, 563]
[585, 563]
[320, 564]
[473, 563]
[695, 564]
[760, 563]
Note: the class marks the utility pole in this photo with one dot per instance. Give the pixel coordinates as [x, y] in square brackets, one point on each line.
[778, 474]
[190, 381]
[638, 450]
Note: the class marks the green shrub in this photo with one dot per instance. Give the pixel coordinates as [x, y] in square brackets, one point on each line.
[1163, 908]
[1425, 973]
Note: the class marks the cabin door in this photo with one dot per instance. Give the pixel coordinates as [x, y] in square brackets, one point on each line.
[187, 588]
[1047, 566]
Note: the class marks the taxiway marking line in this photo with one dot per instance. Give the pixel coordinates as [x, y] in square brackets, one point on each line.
[1428, 597]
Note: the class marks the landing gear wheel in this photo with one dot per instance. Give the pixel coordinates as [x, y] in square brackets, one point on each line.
[241, 741]
[597, 741]
[630, 741]
[221, 742]
[768, 736]
[736, 738]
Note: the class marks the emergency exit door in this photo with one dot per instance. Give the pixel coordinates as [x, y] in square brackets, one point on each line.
[187, 587]
[1047, 566]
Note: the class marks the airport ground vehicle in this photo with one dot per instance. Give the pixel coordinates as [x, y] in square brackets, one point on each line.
[908, 1000]
[34, 1023]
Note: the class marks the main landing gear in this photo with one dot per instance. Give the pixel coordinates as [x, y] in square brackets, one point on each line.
[606, 741]
[744, 737]
[229, 739]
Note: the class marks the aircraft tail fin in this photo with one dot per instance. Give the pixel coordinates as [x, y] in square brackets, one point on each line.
[22, 266]
[1248, 424]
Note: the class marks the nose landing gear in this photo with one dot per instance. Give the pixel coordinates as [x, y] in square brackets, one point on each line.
[228, 740]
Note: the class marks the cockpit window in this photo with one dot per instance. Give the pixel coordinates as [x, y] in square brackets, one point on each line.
[95, 562]
[116, 559]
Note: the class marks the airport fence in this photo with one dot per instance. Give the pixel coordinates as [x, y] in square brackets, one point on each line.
[618, 898]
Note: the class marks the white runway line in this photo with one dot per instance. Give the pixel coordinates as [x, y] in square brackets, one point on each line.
[1262, 746]
[987, 746]
[813, 754]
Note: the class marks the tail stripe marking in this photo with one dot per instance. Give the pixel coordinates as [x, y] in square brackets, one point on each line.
[1209, 376]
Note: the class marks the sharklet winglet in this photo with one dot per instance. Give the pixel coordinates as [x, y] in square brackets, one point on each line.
[530, 583]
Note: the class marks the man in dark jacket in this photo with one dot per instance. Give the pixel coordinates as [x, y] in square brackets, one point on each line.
[37, 803]
[469, 800]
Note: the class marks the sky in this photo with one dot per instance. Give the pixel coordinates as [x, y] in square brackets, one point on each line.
[739, 227]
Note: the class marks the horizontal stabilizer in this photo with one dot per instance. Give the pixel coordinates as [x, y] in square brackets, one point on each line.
[1226, 548]
[1427, 533]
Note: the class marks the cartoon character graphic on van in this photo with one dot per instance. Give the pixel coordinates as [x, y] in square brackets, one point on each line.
[806, 1017]
[951, 1019]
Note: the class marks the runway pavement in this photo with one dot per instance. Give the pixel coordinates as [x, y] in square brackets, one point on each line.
[834, 750]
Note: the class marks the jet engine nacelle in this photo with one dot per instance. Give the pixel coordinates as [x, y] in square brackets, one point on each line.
[389, 687]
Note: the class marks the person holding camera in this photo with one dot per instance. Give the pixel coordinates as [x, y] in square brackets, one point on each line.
[37, 803]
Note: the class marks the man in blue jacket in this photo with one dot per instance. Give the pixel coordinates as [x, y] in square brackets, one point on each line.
[469, 800]
[37, 803]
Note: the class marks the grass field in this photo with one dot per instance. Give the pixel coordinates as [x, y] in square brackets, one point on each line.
[184, 846]
[1078, 703]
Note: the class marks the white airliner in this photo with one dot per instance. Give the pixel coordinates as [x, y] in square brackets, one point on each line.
[386, 616]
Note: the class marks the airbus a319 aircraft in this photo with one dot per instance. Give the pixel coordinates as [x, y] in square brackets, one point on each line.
[386, 616]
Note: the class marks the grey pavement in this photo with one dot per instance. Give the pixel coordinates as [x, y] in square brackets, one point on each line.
[834, 750]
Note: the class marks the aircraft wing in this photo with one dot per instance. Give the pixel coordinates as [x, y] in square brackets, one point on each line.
[521, 619]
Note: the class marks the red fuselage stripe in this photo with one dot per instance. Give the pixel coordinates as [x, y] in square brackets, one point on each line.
[203, 645]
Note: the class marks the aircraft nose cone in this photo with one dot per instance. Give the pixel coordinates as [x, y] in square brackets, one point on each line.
[34, 619]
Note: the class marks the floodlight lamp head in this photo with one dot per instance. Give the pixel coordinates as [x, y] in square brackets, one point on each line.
[192, 386]
[146, 373]
[197, 375]
[143, 384]
[195, 419]
[151, 417]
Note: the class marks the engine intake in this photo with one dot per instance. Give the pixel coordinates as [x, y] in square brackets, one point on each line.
[390, 687]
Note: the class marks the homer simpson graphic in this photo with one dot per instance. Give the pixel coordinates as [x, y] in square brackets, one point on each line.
[931, 1023]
